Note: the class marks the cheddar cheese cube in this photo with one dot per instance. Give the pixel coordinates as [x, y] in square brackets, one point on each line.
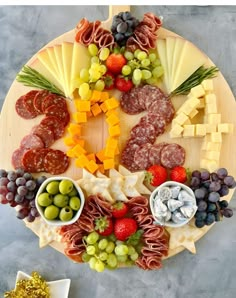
[81, 161]
[78, 150]
[96, 96]
[91, 156]
[110, 152]
[114, 131]
[112, 119]
[96, 110]
[101, 168]
[70, 153]
[112, 143]
[103, 107]
[91, 166]
[112, 103]
[74, 129]
[69, 141]
[113, 111]
[80, 117]
[101, 155]
[82, 105]
[104, 96]
[109, 164]
[197, 91]
[208, 85]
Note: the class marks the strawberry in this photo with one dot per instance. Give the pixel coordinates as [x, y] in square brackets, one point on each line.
[119, 209]
[123, 84]
[124, 228]
[109, 80]
[178, 174]
[115, 62]
[104, 226]
[156, 175]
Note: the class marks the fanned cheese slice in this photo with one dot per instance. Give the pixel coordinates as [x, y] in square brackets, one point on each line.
[67, 54]
[179, 44]
[161, 49]
[170, 46]
[58, 55]
[52, 57]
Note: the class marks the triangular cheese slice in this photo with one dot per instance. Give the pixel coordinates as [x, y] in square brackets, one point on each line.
[67, 53]
[161, 49]
[170, 46]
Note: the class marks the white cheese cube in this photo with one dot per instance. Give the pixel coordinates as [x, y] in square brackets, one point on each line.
[208, 85]
[176, 131]
[213, 118]
[210, 165]
[206, 140]
[200, 130]
[216, 137]
[210, 98]
[210, 127]
[189, 131]
[185, 108]
[181, 118]
[210, 146]
[225, 127]
[193, 113]
[202, 103]
[211, 108]
[197, 91]
[215, 155]
[193, 102]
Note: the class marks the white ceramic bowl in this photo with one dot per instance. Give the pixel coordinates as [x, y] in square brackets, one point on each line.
[58, 288]
[170, 223]
[57, 222]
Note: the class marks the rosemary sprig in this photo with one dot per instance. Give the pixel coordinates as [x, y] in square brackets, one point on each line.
[195, 79]
[32, 78]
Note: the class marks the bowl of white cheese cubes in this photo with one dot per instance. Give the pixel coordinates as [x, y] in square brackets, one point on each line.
[173, 204]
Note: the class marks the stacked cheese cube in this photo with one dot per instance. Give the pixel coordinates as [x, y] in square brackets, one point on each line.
[202, 97]
[100, 102]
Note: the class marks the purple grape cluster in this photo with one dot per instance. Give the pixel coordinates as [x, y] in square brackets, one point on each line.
[209, 188]
[123, 26]
[19, 188]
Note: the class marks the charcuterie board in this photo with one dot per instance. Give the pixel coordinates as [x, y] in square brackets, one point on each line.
[13, 128]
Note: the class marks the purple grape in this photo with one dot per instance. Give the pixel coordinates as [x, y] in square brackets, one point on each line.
[223, 204]
[196, 174]
[199, 223]
[222, 173]
[11, 186]
[122, 27]
[12, 176]
[215, 186]
[214, 177]
[3, 173]
[13, 204]
[210, 219]
[200, 193]
[30, 218]
[27, 176]
[211, 207]
[30, 184]
[202, 205]
[3, 190]
[205, 175]
[224, 190]
[195, 182]
[34, 212]
[30, 195]
[32, 203]
[200, 215]
[213, 197]
[227, 212]
[40, 180]
[3, 181]
[24, 203]
[10, 196]
[19, 199]
[20, 181]
[206, 184]
[22, 190]
[20, 172]
[229, 181]
[22, 213]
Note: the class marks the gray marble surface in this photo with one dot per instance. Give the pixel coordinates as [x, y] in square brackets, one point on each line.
[208, 274]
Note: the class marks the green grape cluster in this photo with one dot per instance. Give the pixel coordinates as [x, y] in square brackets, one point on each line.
[108, 252]
[142, 67]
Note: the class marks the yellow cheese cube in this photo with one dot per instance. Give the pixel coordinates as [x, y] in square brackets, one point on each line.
[96, 95]
[213, 118]
[82, 105]
[216, 137]
[189, 131]
[197, 91]
[69, 141]
[113, 119]
[210, 146]
[70, 153]
[109, 164]
[101, 155]
[224, 127]
[91, 166]
[104, 96]
[213, 155]
[80, 117]
[112, 143]
[74, 129]
[103, 107]
[210, 98]
[78, 150]
[114, 131]
[180, 118]
[193, 113]
[110, 112]
[81, 161]
[176, 131]
[200, 130]
[117, 151]
[110, 152]
[112, 103]
[202, 103]
[211, 108]
[208, 85]
[193, 102]
[96, 110]
[186, 108]
[210, 127]
[91, 156]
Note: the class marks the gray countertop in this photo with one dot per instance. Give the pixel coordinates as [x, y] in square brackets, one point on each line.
[208, 274]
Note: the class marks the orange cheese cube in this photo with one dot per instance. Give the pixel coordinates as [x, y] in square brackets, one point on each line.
[103, 107]
[112, 103]
[79, 142]
[114, 131]
[104, 96]
[110, 152]
[95, 109]
[112, 119]
[91, 156]
[69, 141]
[101, 168]
[70, 153]
[80, 117]
[91, 166]
[82, 105]
[117, 151]
[74, 129]
[110, 112]
[101, 155]
[78, 150]
[109, 164]
[81, 161]
[112, 143]
[89, 114]
[96, 96]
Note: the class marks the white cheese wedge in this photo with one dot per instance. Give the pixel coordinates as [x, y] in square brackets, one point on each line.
[189, 131]
[208, 85]
[52, 57]
[67, 53]
[161, 49]
[58, 54]
[197, 91]
[170, 46]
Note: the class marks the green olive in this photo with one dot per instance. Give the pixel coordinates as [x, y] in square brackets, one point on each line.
[66, 214]
[65, 187]
[53, 187]
[73, 193]
[75, 203]
[60, 200]
[45, 199]
[51, 212]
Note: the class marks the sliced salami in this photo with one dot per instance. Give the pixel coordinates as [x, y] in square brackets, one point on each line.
[29, 102]
[45, 133]
[38, 99]
[56, 162]
[33, 160]
[55, 125]
[127, 156]
[153, 94]
[172, 155]
[163, 107]
[16, 158]
[60, 113]
[53, 99]
[141, 156]
[21, 109]
[143, 133]
[155, 153]
[157, 120]
[32, 141]
[129, 103]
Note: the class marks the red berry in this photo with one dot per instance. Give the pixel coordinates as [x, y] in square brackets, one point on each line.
[178, 174]
[156, 175]
[124, 228]
[115, 62]
[119, 209]
[104, 226]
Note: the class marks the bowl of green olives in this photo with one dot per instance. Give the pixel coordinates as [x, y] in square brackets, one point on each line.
[59, 201]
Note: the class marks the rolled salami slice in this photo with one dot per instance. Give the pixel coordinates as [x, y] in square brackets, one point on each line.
[172, 155]
[141, 156]
[56, 162]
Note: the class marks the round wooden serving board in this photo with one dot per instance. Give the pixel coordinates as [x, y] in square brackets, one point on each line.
[13, 129]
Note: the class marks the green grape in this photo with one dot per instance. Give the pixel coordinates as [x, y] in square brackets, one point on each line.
[145, 62]
[86, 257]
[110, 247]
[121, 250]
[146, 74]
[103, 69]
[103, 256]
[102, 244]
[99, 266]
[128, 55]
[152, 57]
[90, 249]
[126, 70]
[136, 82]
[122, 259]
[84, 74]
[157, 62]
[157, 72]
[136, 52]
[94, 75]
[92, 238]
[93, 49]
[83, 89]
[77, 82]
[87, 96]
[141, 55]
[137, 74]
[104, 53]
[95, 66]
[129, 263]
[94, 59]
[99, 85]
[92, 262]
[131, 250]
[112, 260]
[134, 256]
[151, 81]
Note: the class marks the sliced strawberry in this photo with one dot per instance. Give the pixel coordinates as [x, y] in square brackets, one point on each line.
[119, 209]
[104, 226]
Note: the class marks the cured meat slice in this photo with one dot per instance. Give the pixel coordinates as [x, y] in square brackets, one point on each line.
[62, 114]
[33, 160]
[21, 109]
[139, 210]
[86, 222]
[172, 155]
[16, 158]
[129, 103]
[157, 251]
[127, 155]
[152, 94]
[45, 133]
[157, 120]
[38, 99]
[100, 204]
[163, 107]
[138, 201]
[143, 133]
[55, 125]
[29, 102]
[32, 141]
[141, 156]
[53, 99]
[155, 153]
[56, 162]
